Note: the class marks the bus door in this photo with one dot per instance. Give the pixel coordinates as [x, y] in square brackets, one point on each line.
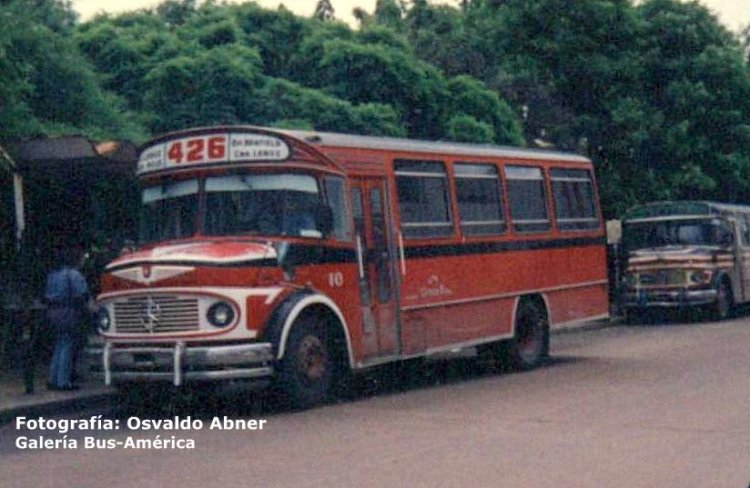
[376, 256]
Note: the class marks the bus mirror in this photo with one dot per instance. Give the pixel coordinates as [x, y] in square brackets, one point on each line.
[286, 262]
[723, 235]
[128, 246]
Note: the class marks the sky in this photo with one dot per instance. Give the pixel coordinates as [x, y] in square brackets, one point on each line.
[343, 8]
[734, 14]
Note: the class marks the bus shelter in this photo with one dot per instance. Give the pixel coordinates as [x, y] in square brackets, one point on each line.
[66, 191]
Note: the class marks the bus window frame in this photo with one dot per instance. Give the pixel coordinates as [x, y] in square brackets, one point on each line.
[551, 224]
[502, 200]
[450, 200]
[594, 199]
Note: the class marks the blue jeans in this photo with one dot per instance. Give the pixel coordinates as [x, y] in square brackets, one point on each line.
[62, 358]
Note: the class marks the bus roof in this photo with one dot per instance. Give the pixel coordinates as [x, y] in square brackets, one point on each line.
[330, 139]
[668, 209]
[248, 144]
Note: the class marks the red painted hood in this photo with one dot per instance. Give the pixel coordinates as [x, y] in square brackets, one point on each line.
[197, 253]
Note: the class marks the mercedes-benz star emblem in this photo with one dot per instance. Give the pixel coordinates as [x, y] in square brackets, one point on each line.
[150, 315]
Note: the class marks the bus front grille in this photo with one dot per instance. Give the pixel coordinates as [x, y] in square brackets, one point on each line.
[156, 314]
[674, 277]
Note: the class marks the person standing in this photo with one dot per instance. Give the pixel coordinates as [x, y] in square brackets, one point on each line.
[66, 295]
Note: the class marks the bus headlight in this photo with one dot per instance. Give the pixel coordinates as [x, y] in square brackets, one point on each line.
[103, 321]
[220, 314]
[699, 277]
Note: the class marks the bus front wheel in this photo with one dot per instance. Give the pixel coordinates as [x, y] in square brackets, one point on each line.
[722, 307]
[305, 374]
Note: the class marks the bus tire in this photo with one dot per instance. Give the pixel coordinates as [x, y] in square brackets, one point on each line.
[722, 307]
[306, 373]
[530, 343]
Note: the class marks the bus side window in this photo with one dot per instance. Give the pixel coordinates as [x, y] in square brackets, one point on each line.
[573, 192]
[480, 205]
[422, 188]
[528, 198]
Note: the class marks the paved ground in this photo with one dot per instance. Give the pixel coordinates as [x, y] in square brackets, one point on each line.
[644, 406]
[14, 400]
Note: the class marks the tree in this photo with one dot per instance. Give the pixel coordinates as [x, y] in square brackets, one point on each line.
[697, 83]
[643, 89]
[390, 13]
[16, 117]
[56, 15]
[125, 48]
[469, 97]
[277, 35]
[376, 73]
[303, 66]
[283, 100]
[438, 37]
[176, 12]
[158, 61]
[376, 34]
[48, 87]
[324, 11]
[214, 86]
[465, 128]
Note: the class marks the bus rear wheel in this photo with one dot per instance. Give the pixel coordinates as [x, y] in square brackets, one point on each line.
[306, 372]
[530, 343]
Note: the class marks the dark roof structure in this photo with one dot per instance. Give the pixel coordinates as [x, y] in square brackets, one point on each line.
[117, 157]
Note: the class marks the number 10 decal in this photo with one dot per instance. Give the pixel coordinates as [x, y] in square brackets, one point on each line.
[336, 279]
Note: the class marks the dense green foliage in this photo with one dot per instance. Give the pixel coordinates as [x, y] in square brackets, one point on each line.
[656, 92]
[47, 86]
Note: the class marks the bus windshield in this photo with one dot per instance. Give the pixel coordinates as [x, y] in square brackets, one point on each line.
[666, 233]
[168, 211]
[262, 204]
[278, 204]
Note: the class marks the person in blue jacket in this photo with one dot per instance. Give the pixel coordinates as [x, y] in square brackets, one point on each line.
[66, 295]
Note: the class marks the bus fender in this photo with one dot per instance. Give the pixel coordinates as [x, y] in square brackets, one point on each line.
[720, 276]
[283, 317]
[724, 276]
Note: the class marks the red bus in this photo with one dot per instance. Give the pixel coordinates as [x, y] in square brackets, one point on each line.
[300, 256]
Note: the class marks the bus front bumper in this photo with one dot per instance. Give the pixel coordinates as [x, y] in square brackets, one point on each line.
[668, 298]
[179, 363]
